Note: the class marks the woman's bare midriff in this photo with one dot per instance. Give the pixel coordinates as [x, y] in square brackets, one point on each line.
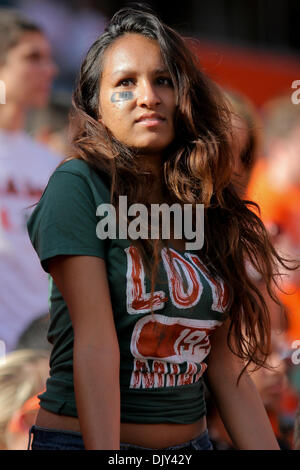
[155, 436]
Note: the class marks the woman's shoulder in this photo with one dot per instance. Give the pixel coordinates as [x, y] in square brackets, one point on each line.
[77, 167]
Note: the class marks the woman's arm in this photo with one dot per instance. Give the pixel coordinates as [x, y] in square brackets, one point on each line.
[240, 406]
[82, 281]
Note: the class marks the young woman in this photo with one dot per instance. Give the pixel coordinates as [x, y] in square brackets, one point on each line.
[133, 319]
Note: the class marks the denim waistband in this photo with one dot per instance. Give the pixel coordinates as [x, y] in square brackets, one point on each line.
[201, 442]
[56, 439]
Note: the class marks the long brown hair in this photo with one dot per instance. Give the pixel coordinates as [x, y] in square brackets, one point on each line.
[197, 169]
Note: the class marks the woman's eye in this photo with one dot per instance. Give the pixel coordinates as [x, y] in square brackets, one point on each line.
[164, 81]
[126, 82]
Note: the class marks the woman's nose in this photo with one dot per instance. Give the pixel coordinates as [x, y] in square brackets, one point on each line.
[147, 95]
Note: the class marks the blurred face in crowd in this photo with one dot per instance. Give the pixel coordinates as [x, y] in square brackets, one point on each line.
[271, 383]
[137, 98]
[28, 71]
[283, 157]
[293, 153]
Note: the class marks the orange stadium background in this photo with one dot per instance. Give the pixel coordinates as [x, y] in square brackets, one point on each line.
[259, 75]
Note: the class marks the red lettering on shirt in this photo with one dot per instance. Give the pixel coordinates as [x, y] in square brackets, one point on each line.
[172, 339]
[182, 296]
[220, 291]
[138, 300]
[169, 342]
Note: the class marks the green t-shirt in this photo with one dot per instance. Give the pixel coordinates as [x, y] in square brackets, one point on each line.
[162, 353]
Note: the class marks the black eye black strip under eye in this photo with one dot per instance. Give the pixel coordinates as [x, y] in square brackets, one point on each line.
[121, 96]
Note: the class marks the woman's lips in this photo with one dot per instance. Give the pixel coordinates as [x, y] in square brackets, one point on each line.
[150, 122]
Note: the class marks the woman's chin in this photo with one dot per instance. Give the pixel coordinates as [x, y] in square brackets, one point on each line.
[151, 148]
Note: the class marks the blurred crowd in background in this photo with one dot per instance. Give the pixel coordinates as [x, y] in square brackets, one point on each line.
[34, 139]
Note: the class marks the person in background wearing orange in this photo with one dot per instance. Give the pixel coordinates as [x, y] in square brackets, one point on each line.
[273, 385]
[275, 186]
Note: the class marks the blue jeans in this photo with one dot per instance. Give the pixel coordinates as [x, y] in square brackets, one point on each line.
[54, 439]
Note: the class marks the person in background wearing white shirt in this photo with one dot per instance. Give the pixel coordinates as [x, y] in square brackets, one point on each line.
[26, 71]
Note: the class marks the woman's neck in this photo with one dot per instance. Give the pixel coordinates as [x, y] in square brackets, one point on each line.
[154, 164]
[12, 117]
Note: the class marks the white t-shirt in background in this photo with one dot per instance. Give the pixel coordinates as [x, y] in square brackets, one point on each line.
[25, 168]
